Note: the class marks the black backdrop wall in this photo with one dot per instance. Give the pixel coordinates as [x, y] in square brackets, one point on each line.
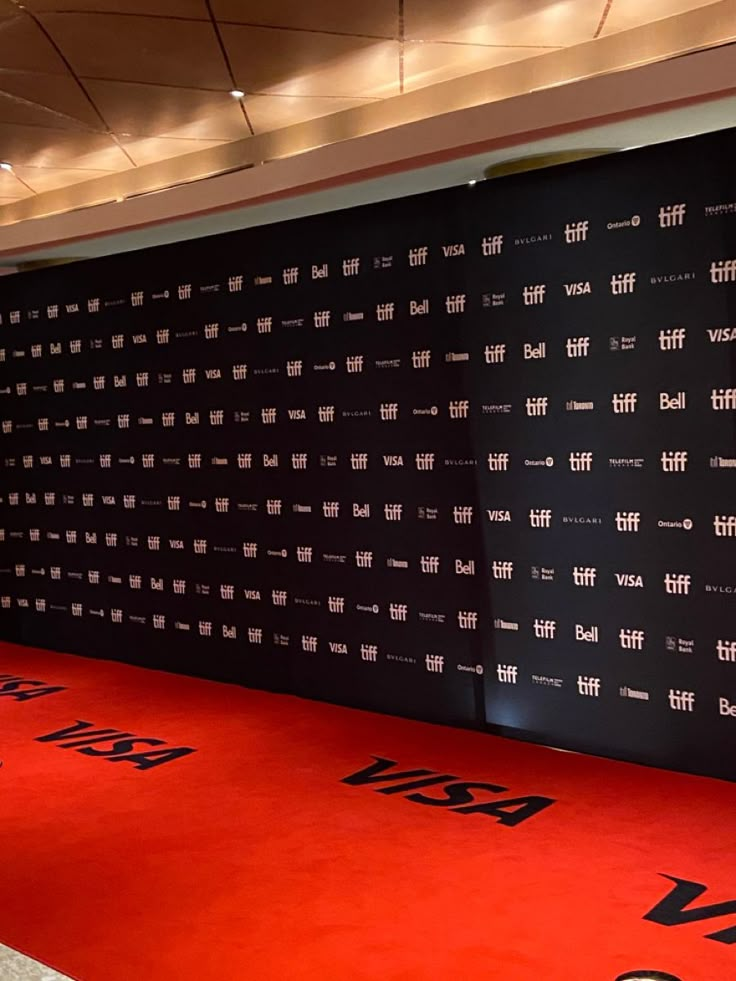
[467, 456]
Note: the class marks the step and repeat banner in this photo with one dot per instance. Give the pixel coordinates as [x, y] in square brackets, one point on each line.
[468, 456]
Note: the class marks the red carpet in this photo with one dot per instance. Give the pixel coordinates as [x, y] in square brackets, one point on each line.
[251, 859]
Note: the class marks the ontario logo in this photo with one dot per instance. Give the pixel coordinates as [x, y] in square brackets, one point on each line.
[458, 795]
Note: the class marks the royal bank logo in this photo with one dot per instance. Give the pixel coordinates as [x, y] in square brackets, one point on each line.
[584, 576]
[624, 402]
[628, 521]
[576, 231]
[723, 399]
[581, 462]
[724, 525]
[467, 619]
[672, 339]
[502, 569]
[491, 245]
[455, 303]
[495, 353]
[534, 295]
[681, 701]
[631, 639]
[677, 583]
[589, 686]
[623, 283]
[418, 256]
[540, 517]
[577, 347]
[723, 271]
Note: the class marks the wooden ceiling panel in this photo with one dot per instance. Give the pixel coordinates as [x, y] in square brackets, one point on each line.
[157, 110]
[624, 14]
[34, 99]
[269, 112]
[507, 23]
[302, 63]
[158, 8]
[24, 47]
[379, 17]
[42, 179]
[425, 64]
[38, 147]
[153, 149]
[140, 49]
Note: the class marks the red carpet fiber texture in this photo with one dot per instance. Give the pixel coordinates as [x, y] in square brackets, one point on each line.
[445, 854]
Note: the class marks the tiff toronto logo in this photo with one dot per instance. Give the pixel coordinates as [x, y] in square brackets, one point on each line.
[463, 797]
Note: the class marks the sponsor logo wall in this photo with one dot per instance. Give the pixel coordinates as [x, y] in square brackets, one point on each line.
[467, 456]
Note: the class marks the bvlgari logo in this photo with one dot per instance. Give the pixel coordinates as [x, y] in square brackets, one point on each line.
[463, 797]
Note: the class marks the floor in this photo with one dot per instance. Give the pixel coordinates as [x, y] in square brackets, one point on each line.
[18, 967]
[164, 828]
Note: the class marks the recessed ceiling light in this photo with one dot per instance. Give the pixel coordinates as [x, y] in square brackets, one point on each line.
[236, 93]
[4, 165]
[472, 183]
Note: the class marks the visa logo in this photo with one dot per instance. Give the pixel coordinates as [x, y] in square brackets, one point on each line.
[458, 249]
[498, 515]
[630, 580]
[577, 289]
[297, 414]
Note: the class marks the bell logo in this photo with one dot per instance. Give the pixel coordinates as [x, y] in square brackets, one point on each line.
[631, 640]
[502, 570]
[584, 576]
[724, 525]
[624, 402]
[455, 303]
[361, 510]
[673, 339]
[464, 568]
[458, 409]
[577, 347]
[418, 257]
[290, 276]
[669, 402]
[350, 267]
[545, 629]
[540, 517]
[498, 461]
[462, 515]
[623, 283]
[587, 634]
[723, 271]
[534, 295]
[576, 231]
[591, 687]
[671, 215]
[534, 351]
[496, 353]
[492, 244]
[628, 520]
[681, 701]
[674, 461]
[430, 564]
[384, 312]
[677, 583]
[467, 619]
[537, 406]
[421, 359]
[581, 462]
[321, 272]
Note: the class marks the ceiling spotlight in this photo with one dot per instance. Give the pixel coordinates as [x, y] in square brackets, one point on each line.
[237, 93]
[4, 165]
[472, 183]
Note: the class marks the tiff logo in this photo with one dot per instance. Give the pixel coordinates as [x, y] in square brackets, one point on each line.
[184, 292]
[290, 276]
[389, 411]
[385, 311]
[294, 369]
[255, 635]
[576, 231]
[398, 611]
[589, 686]
[322, 318]
[467, 619]
[304, 553]
[268, 415]
[502, 570]
[93, 306]
[326, 413]
[239, 372]
[278, 597]
[309, 643]
[418, 257]
[681, 701]
[581, 462]
[540, 517]
[364, 560]
[264, 325]
[354, 363]
[628, 520]
[724, 525]
[211, 332]
[492, 244]
[455, 303]
[250, 550]
[507, 673]
[672, 339]
[537, 406]
[462, 515]
[584, 575]
[434, 663]
[392, 512]
[677, 583]
[723, 271]
[495, 354]
[421, 359]
[498, 461]
[723, 399]
[336, 604]
[136, 299]
[350, 267]
[623, 283]
[245, 461]
[331, 509]
[358, 461]
[631, 640]
[424, 461]
[534, 295]
[674, 461]
[274, 505]
[545, 629]
[430, 564]
[577, 347]
[726, 650]
[234, 284]
[671, 215]
[458, 409]
[624, 402]
[368, 652]
[299, 461]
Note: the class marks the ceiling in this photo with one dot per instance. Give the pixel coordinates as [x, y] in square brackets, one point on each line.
[90, 88]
